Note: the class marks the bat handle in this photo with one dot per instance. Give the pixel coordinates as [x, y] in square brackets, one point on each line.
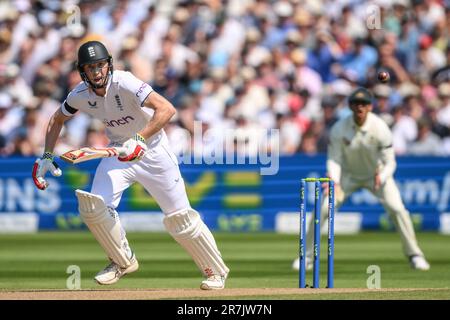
[121, 150]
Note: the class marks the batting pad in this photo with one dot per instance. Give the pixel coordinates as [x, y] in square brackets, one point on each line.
[104, 226]
[188, 229]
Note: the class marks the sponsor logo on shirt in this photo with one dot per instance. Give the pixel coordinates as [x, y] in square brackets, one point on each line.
[118, 102]
[118, 122]
[141, 89]
[93, 104]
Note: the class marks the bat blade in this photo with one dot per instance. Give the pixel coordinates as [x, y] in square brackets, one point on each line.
[89, 153]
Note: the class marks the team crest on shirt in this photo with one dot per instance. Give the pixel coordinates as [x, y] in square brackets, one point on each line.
[118, 102]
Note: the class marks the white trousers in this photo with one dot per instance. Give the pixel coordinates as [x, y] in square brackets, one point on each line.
[157, 172]
[389, 196]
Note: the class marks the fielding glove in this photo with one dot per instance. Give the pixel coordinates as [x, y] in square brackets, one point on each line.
[135, 149]
[40, 168]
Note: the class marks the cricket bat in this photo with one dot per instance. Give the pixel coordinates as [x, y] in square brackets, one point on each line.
[90, 153]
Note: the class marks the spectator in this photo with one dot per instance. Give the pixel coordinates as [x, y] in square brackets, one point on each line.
[382, 106]
[443, 115]
[273, 63]
[442, 75]
[10, 117]
[305, 77]
[433, 108]
[427, 143]
[358, 60]
[324, 54]
[404, 130]
[132, 61]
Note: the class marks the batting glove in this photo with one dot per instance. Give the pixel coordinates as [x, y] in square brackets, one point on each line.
[135, 149]
[40, 168]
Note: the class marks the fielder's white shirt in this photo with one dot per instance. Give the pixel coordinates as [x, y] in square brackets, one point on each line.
[358, 152]
[120, 109]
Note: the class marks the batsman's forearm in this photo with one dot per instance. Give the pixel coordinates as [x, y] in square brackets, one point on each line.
[53, 130]
[160, 118]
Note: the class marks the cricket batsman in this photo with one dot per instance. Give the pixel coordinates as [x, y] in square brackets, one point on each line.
[134, 115]
[361, 155]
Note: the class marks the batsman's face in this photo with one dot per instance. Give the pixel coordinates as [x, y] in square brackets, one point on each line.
[360, 111]
[96, 72]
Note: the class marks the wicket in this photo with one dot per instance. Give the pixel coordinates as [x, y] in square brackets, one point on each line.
[316, 217]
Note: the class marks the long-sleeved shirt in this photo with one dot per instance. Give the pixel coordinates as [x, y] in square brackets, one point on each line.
[360, 152]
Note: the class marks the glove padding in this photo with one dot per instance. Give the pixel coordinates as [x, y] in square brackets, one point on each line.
[135, 149]
[40, 168]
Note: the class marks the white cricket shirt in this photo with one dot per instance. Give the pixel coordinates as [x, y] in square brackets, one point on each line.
[120, 109]
[358, 152]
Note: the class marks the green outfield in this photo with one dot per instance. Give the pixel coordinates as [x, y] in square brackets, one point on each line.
[257, 260]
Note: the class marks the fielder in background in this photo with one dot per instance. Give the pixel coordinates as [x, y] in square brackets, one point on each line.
[134, 115]
[360, 155]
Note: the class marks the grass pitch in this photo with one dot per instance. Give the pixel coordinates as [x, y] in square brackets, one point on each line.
[257, 261]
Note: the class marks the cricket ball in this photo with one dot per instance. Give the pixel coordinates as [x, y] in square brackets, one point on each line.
[383, 76]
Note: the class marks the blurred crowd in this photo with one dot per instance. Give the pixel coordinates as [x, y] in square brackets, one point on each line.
[242, 65]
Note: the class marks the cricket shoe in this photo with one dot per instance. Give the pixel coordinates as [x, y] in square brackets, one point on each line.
[419, 263]
[214, 282]
[308, 264]
[113, 272]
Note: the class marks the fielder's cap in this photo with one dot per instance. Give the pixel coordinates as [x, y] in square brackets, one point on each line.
[360, 95]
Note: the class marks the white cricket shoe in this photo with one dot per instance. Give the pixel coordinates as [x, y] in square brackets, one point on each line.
[419, 263]
[113, 272]
[308, 264]
[215, 282]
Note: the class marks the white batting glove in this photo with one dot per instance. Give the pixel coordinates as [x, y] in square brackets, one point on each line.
[40, 168]
[135, 149]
